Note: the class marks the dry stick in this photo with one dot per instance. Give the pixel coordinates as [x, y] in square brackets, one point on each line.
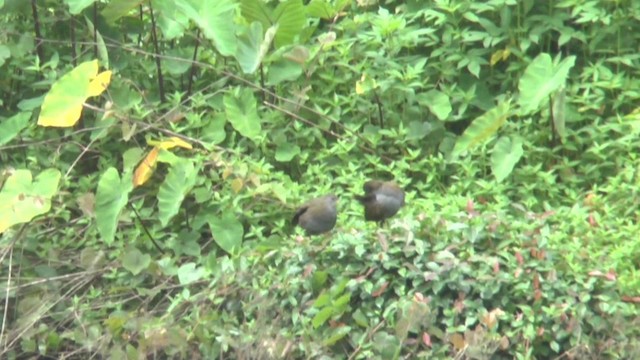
[84, 151]
[156, 48]
[47, 308]
[6, 297]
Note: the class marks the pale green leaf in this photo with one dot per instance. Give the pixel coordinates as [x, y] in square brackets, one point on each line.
[505, 155]
[227, 232]
[177, 184]
[541, 78]
[241, 110]
[111, 197]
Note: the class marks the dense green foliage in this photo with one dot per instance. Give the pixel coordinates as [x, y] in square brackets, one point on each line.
[158, 224]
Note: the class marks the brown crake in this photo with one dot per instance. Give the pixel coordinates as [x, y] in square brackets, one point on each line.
[317, 215]
[381, 200]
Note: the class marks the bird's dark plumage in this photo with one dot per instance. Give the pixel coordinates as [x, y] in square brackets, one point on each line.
[381, 200]
[318, 215]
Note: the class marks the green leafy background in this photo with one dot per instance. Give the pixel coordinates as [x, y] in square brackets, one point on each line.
[512, 125]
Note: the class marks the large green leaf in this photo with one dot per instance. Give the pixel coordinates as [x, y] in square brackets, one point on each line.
[241, 109]
[134, 260]
[116, 9]
[256, 10]
[111, 197]
[541, 78]
[215, 19]
[252, 46]
[11, 127]
[285, 151]
[290, 17]
[171, 22]
[22, 199]
[482, 128]
[179, 181]
[188, 273]
[437, 102]
[283, 70]
[506, 154]
[76, 6]
[321, 9]
[227, 231]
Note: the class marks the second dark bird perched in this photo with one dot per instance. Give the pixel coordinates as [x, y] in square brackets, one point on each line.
[381, 200]
[317, 215]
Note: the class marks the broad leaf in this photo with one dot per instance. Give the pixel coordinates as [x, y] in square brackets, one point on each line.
[437, 102]
[171, 22]
[11, 127]
[283, 70]
[179, 181]
[188, 273]
[286, 151]
[252, 46]
[135, 261]
[482, 128]
[22, 199]
[256, 10]
[541, 78]
[76, 6]
[116, 9]
[63, 103]
[506, 154]
[227, 232]
[321, 9]
[241, 109]
[215, 19]
[111, 197]
[290, 18]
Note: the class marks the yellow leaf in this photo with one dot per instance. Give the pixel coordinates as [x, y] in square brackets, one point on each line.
[236, 185]
[458, 342]
[227, 171]
[495, 57]
[98, 85]
[359, 89]
[171, 143]
[145, 169]
[363, 85]
[62, 105]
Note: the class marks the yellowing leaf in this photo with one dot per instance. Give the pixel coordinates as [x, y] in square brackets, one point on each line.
[171, 143]
[145, 169]
[364, 85]
[62, 105]
[98, 85]
[458, 342]
[227, 171]
[236, 185]
[500, 55]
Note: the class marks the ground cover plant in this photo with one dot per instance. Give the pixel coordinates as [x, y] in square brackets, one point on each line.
[153, 153]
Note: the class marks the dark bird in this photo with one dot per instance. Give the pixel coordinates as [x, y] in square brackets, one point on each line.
[381, 200]
[317, 215]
